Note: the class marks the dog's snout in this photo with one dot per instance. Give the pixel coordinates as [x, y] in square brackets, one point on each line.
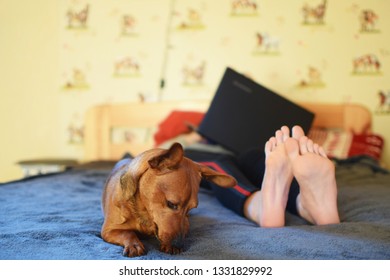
[178, 242]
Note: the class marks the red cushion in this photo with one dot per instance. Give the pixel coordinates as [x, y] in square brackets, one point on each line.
[367, 144]
[177, 122]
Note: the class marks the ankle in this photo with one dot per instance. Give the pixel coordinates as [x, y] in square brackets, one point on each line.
[332, 217]
[272, 222]
[302, 212]
[252, 207]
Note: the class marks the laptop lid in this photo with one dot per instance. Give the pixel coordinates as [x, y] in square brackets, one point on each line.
[244, 115]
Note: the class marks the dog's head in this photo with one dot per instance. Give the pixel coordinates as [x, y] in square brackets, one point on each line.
[165, 184]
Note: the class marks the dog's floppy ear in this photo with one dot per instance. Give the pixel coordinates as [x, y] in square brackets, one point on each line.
[130, 176]
[220, 179]
[169, 159]
[128, 185]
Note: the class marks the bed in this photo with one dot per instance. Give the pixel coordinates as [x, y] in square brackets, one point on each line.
[58, 215]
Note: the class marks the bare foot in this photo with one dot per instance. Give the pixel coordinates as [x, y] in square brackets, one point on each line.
[315, 173]
[267, 207]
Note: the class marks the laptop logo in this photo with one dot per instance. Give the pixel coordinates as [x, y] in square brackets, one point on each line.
[242, 86]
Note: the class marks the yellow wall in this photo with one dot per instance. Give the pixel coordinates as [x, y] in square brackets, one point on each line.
[28, 87]
[52, 70]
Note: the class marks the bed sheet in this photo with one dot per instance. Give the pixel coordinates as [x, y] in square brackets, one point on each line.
[59, 217]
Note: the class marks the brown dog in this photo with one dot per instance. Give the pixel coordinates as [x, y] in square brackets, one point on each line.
[152, 195]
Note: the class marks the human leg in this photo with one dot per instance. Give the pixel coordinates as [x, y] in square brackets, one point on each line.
[232, 198]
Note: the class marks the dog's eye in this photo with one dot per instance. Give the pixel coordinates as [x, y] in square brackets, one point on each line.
[172, 205]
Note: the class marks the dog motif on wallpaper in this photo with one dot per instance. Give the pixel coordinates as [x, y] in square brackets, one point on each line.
[313, 79]
[266, 44]
[78, 18]
[193, 75]
[76, 80]
[128, 25]
[384, 102]
[127, 66]
[192, 19]
[368, 20]
[314, 14]
[367, 64]
[244, 7]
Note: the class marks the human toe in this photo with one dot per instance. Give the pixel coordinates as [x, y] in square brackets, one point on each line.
[303, 145]
[270, 145]
[310, 146]
[297, 132]
[285, 133]
[279, 136]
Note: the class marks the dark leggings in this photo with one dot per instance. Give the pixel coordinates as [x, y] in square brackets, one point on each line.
[248, 169]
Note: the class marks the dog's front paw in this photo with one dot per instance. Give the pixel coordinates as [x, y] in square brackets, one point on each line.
[134, 250]
[170, 249]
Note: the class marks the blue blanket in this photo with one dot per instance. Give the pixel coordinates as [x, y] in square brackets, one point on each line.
[59, 217]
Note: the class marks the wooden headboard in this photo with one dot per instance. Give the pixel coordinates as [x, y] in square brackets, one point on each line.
[102, 120]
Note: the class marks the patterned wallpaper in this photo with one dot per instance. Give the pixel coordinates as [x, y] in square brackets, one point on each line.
[153, 50]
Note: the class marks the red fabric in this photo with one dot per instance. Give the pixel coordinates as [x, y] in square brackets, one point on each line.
[367, 144]
[175, 124]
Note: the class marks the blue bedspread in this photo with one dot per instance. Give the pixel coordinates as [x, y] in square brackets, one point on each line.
[59, 217]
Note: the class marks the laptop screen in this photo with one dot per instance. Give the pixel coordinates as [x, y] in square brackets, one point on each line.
[243, 114]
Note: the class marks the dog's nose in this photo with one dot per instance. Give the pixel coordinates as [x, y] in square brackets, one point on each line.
[178, 242]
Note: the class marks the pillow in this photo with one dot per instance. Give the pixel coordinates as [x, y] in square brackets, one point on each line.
[336, 142]
[176, 123]
[367, 144]
[342, 144]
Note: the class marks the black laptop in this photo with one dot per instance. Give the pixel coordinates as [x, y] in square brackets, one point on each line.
[244, 115]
